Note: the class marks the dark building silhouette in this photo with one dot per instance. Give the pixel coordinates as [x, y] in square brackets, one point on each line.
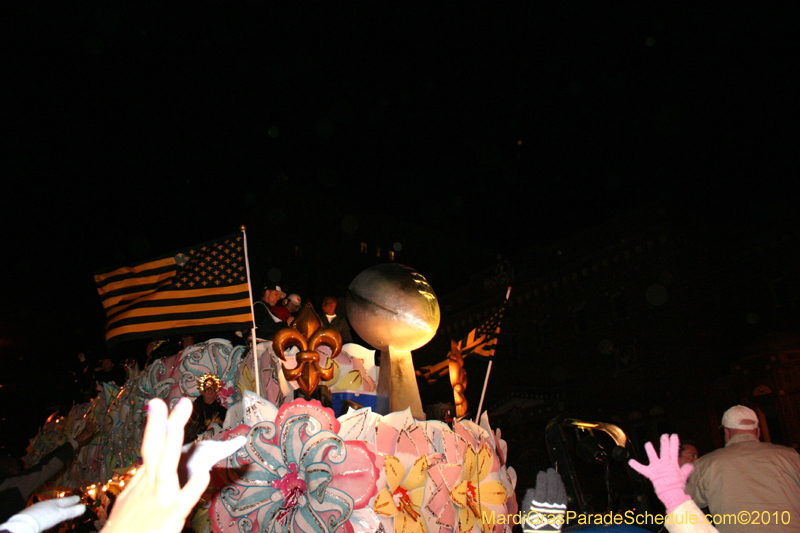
[651, 321]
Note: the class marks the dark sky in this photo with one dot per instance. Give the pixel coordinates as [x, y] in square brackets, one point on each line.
[135, 129]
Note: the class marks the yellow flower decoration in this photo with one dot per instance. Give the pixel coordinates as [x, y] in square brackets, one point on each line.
[472, 493]
[404, 497]
[351, 381]
[247, 381]
[336, 374]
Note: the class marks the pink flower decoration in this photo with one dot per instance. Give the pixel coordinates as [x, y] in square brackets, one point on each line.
[297, 475]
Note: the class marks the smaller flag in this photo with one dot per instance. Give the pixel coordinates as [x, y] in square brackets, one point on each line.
[482, 340]
[197, 289]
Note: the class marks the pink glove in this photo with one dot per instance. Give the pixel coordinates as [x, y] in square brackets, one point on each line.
[668, 479]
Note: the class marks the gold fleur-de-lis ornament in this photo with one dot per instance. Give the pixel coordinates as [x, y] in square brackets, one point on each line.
[307, 334]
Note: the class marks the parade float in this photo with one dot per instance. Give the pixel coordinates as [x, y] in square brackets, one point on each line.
[370, 462]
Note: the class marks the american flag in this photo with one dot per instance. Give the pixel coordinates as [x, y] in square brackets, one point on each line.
[196, 289]
[482, 340]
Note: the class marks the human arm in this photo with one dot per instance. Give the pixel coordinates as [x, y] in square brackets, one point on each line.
[688, 518]
[15, 490]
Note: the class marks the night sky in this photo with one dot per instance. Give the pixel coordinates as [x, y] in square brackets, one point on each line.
[136, 129]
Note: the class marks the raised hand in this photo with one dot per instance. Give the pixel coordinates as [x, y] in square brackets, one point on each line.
[544, 506]
[154, 501]
[669, 480]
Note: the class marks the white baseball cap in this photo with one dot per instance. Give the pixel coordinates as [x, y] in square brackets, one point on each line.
[740, 417]
[275, 288]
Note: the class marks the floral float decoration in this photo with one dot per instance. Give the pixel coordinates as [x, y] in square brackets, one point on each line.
[303, 470]
[403, 498]
[354, 369]
[295, 474]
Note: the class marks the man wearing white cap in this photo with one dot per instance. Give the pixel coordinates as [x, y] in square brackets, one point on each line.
[750, 485]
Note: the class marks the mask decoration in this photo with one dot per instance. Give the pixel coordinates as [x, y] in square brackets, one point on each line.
[307, 334]
[208, 381]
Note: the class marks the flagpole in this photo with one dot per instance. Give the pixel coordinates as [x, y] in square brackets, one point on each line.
[486, 380]
[256, 369]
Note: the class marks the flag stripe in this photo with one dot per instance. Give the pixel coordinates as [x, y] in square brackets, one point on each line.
[124, 302]
[177, 315]
[183, 307]
[169, 297]
[135, 271]
[471, 341]
[152, 277]
[133, 292]
[240, 320]
[484, 351]
[166, 298]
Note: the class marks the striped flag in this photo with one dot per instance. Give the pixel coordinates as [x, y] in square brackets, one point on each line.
[483, 339]
[201, 288]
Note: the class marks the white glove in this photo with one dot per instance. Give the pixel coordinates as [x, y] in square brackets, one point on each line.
[206, 453]
[546, 504]
[44, 515]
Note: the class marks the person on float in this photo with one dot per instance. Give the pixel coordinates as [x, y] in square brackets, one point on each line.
[206, 410]
[267, 322]
[293, 303]
[338, 322]
[286, 308]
